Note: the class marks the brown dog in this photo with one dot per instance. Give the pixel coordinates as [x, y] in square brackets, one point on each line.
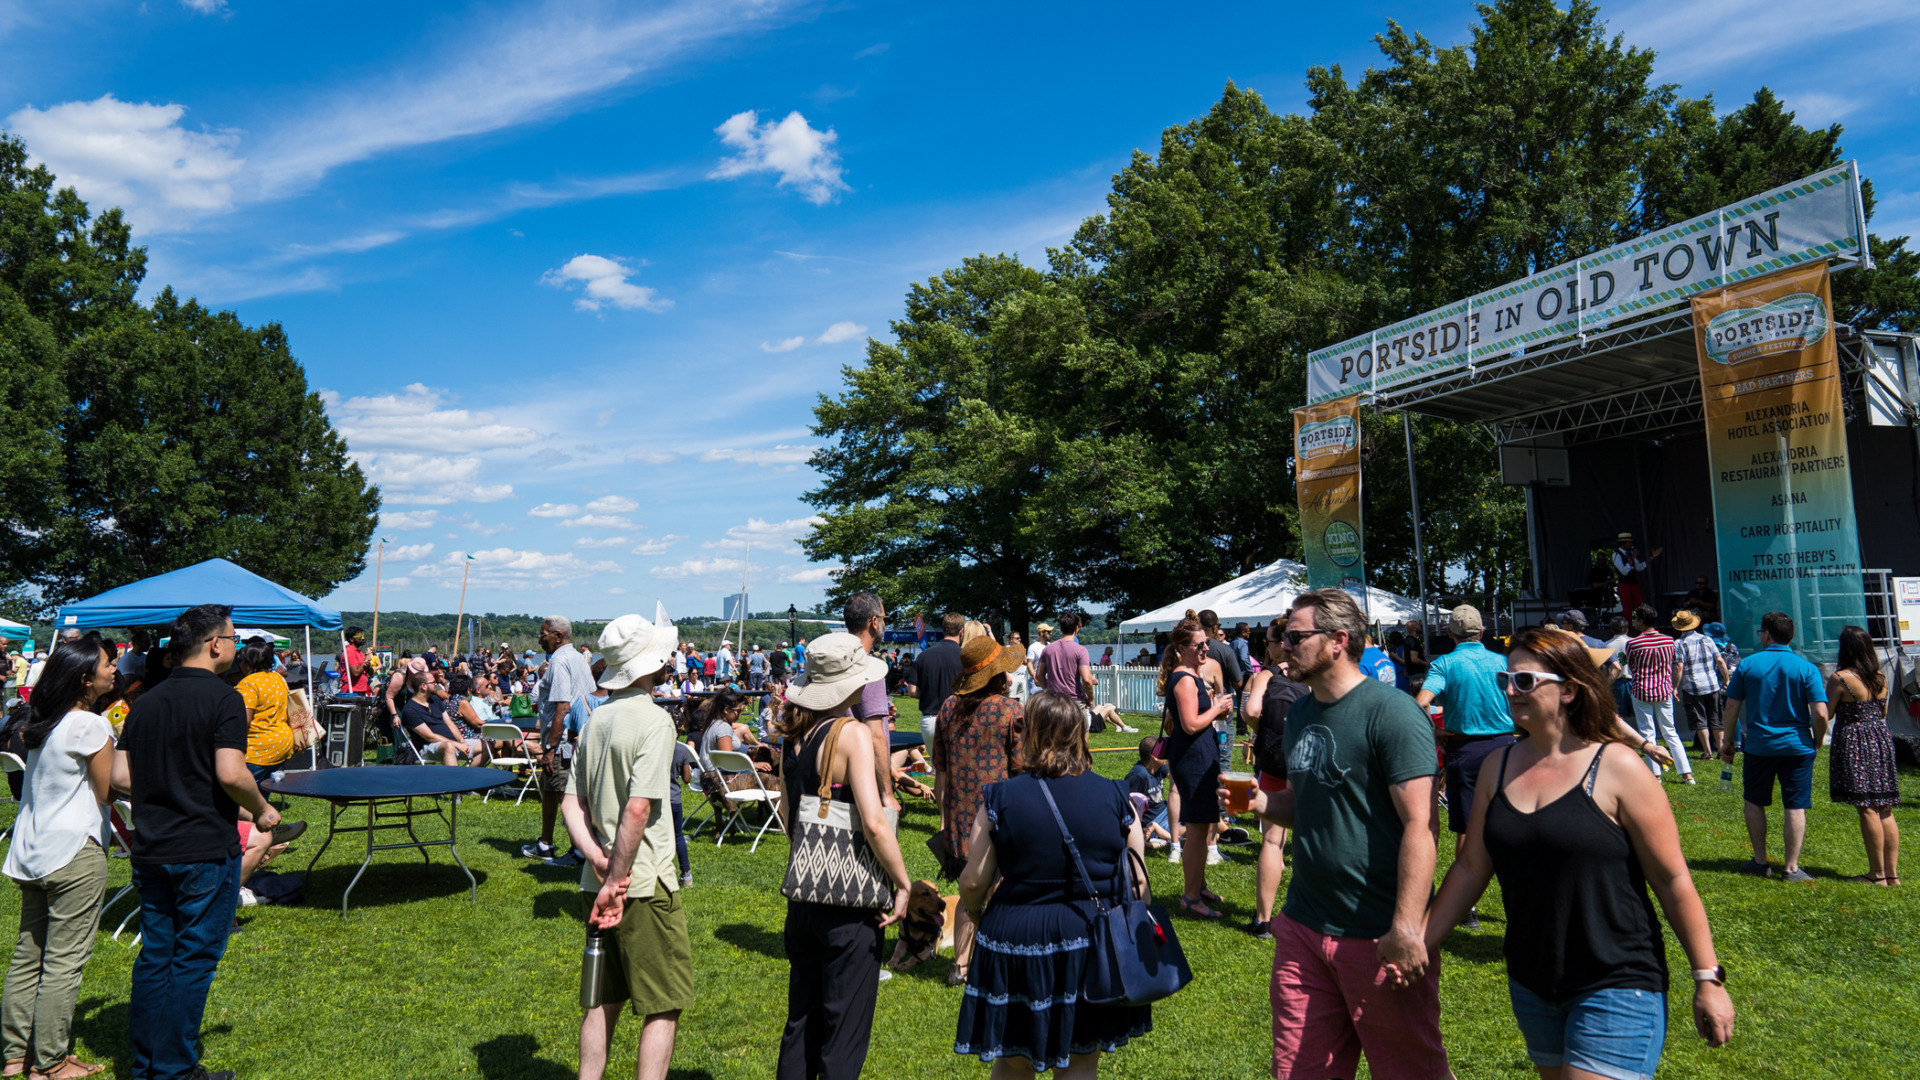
[920, 931]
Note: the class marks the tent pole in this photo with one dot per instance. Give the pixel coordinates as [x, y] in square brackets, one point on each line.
[1419, 549]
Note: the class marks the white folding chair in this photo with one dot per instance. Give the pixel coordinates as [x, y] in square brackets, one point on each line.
[10, 762]
[120, 835]
[508, 733]
[738, 799]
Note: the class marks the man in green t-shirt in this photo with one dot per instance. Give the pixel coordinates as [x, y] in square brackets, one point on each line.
[1350, 971]
[617, 811]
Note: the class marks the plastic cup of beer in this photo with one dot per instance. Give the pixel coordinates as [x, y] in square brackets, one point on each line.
[1239, 787]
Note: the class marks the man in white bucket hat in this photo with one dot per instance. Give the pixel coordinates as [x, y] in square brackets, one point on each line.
[616, 810]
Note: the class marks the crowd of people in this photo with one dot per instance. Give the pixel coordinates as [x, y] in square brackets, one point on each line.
[1548, 752]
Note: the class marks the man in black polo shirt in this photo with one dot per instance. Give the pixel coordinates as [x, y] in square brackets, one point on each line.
[935, 670]
[185, 758]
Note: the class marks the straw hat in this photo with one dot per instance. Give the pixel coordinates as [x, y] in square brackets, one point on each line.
[1684, 621]
[983, 658]
[838, 665]
[635, 648]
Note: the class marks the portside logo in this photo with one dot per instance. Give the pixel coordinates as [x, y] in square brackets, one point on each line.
[1328, 438]
[1787, 324]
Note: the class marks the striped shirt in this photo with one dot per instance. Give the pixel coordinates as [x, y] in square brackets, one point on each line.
[1650, 666]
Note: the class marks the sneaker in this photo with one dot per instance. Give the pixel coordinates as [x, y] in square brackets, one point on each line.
[1155, 843]
[1234, 835]
[1757, 869]
[1472, 921]
[1797, 876]
[1173, 851]
[885, 974]
[200, 1073]
[686, 880]
[287, 832]
[571, 858]
[1214, 858]
[539, 849]
[247, 899]
[1261, 931]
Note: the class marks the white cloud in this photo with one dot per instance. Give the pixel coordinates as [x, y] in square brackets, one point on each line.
[406, 552]
[804, 157]
[812, 576]
[602, 541]
[604, 418]
[697, 568]
[205, 7]
[512, 568]
[612, 504]
[554, 510]
[777, 455]
[783, 345]
[840, 331]
[767, 535]
[133, 155]
[416, 419]
[653, 457]
[397, 582]
[599, 521]
[1722, 35]
[606, 283]
[656, 547]
[420, 480]
[411, 519]
[501, 73]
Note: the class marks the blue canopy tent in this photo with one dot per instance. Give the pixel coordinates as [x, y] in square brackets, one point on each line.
[159, 600]
[14, 630]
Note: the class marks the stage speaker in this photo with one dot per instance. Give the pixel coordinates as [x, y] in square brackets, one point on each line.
[346, 742]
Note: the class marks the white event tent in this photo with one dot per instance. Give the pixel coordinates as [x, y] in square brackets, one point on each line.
[1265, 594]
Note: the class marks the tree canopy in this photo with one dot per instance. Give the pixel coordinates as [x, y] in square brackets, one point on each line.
[1116, 428]
[142, 438]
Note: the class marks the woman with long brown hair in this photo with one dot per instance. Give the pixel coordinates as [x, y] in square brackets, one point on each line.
[976, 742]
[1861, 770]
[1023, 1010]
[1576, 832]
[1193, 760]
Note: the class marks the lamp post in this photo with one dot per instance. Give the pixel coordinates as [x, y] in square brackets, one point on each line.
[793, 624]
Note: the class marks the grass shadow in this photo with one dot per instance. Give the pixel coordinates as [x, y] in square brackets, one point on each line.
[768, 943]
[1481, 948]
[513, 1057]
[386, 883]
[101, 1024]
[559, 904]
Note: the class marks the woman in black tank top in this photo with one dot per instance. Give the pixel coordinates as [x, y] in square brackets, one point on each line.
[1576, 831]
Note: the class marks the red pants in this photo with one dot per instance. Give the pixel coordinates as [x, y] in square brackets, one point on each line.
[1629, 598]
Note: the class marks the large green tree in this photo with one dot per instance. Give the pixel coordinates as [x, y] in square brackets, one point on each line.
[1126, 434]
[146, 437]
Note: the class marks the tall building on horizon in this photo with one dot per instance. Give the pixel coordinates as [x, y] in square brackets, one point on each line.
[734, 607]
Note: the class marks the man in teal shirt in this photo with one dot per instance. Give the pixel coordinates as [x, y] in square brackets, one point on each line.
[1777, 714]
[1475, 711]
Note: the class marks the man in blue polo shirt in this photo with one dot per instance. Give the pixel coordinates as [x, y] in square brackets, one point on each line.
[1780, 700]
[1475, 712]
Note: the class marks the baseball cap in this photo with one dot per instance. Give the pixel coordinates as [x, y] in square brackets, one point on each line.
[1464, 619]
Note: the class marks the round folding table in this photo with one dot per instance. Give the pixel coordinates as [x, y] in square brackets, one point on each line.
[387, 793]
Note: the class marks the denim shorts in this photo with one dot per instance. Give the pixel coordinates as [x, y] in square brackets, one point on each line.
[1613, 1033]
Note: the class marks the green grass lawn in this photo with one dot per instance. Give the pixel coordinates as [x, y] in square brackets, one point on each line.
[417, 981]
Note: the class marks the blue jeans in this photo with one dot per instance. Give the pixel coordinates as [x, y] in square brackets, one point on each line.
[1613, 1033]
[186, 913]
[680, 836]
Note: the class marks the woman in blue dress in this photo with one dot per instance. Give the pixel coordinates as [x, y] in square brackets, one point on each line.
[1023, 1009]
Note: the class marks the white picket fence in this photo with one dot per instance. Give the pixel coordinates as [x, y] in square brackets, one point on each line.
[1129, 689]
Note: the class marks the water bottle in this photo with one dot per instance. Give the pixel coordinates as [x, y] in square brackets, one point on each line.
[1726, 778]
[593, 964]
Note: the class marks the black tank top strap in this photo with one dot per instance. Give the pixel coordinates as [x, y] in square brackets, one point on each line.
[1500, 782]
[1593, 771]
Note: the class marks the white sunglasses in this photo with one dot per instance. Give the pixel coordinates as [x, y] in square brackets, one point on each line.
[1524, 681]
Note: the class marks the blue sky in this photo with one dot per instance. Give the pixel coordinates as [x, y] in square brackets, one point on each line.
[571, 276]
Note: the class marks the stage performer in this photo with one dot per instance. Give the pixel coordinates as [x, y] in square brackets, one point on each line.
[1627, 568]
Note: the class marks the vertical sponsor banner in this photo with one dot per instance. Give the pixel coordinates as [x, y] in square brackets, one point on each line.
[1326, 460]
[1777, 443]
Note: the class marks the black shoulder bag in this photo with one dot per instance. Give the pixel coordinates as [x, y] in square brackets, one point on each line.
[1133, 957]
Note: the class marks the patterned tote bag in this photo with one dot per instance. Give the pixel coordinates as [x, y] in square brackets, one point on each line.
[831, 862]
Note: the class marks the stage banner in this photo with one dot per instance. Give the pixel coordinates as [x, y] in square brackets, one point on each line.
[1326, 461]
[1777, 443]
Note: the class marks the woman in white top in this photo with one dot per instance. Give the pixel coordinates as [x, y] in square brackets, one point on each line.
[59, 857]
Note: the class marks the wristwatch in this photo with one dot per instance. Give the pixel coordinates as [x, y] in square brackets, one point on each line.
[1714, 974]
